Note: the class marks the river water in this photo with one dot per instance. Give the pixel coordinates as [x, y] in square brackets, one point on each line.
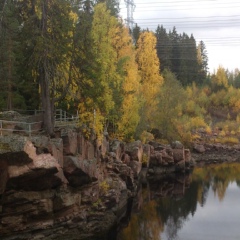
[204, 205]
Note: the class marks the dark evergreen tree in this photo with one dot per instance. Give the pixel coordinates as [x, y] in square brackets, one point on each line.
[175, 54]
[164, 48]
[136, 33]
[112, 5]
[9, 33]
[184, 71]
[193, 65]
[202, 62]
[179, 54]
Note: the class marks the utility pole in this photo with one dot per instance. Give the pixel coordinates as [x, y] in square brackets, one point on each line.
[130, 9]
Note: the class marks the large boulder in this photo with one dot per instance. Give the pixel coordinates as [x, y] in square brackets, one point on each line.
[80, 172]
[70, 143]
[134, 150]
[178, 154]
[56, 149]
[155, 159]
[86, 148]
[117, 147]
[25, 168]
[136, 167]
[167, 157]
[199, 148]
[188, 157]
[38, 174]
[177, 145]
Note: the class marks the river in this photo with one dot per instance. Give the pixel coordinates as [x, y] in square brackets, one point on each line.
[204, 205]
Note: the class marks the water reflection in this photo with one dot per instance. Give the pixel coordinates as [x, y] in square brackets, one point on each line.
[202, 205]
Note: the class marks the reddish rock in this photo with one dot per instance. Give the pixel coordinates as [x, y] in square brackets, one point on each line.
[134, 150]
[117, 147]
[166, 158]
[125, 158]
[178, 155]
[70, 143]
[180, 166]
[86, 148]
[155, 159]
[80, 172]
[56, 149]
[104, 147]
[136, 167]
[41, 168]
[199, 148]
[187, 155]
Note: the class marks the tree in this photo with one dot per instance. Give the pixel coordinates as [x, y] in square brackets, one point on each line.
[150, 79]
[175, 55]
[188, 68]
[103, 78]
[202, 61]
[9, 32]
[219, 80]
[170, 106]
[49, 25]
[112, 6]
[136, 32]
[164, 48]
[127, 98]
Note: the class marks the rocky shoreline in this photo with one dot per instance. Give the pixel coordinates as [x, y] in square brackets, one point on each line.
[206, 153]
[70, 186]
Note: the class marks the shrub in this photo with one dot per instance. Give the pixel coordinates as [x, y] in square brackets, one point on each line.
[228, 140]
[144, 159]
[146, 136]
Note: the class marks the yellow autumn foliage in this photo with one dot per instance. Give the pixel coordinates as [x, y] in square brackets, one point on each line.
[151, 80]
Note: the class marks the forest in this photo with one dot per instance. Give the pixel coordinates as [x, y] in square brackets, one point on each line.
[78, 55]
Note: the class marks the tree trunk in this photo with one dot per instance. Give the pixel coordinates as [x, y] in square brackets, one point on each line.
[47, 104]
[44, 77]
[9, 77]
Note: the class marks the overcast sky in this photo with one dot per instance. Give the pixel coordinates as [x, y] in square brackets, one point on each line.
[215, 22]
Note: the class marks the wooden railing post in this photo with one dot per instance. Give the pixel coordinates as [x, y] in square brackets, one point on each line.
[60, 115]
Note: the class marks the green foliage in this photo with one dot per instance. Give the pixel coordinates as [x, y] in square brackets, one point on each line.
[96, 205]
[144, 159]
[146, 137]
[170, 106]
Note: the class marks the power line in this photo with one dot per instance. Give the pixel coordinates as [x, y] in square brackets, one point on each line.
[171, 2]
[211, 2]
[130, 9]
[155, 9]
[175, 18]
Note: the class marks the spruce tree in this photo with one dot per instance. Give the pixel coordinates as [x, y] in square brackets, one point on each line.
[164, 48]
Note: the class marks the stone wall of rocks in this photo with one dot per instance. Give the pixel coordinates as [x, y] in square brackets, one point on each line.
[70, 186]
